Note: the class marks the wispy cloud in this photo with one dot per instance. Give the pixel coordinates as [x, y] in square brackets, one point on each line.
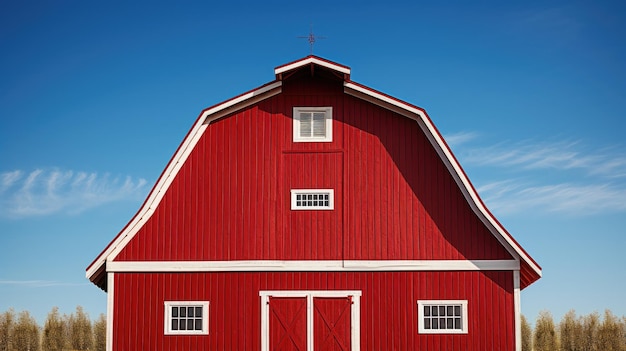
[38, 283]
[7, 179]
[563, 155]
[456, 139]
[513, 196]
[582, 180]
[44, 192]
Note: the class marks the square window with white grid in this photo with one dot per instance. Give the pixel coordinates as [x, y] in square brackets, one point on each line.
[442, 317]
[186, 317]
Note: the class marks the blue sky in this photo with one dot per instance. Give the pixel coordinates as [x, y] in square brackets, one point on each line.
[96, 96]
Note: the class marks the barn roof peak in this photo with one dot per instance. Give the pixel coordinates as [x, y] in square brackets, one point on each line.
[312, 61]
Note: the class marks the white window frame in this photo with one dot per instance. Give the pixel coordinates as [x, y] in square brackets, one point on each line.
[328, 117]
[331, 199]
[420, 313]
[168, 317]
[355, 313]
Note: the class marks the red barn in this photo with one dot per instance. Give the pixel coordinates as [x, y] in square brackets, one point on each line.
[313, 213]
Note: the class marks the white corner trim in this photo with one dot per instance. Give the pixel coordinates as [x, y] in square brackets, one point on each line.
[312, 266]
[110, 314]
[517, 301]
[452, 165]
[309, 60]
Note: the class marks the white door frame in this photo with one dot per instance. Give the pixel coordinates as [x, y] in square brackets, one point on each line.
[355, 313]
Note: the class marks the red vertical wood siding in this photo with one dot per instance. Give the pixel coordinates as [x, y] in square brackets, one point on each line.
[288, 323]
[331, 324]
[308, 235]
[394, 198]
[388, 308]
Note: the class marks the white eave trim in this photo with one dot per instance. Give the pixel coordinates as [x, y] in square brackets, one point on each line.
[309, 60]
[312, 266]
[249, 98]
[452, 164]
[172, 169]
[383, 98]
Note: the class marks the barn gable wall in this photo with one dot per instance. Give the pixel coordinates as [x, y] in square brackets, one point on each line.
[394, 197]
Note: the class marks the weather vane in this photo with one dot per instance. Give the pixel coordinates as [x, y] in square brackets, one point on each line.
[312, 38]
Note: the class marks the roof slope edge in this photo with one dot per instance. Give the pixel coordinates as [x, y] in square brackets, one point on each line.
[178, 159]
[451, 162]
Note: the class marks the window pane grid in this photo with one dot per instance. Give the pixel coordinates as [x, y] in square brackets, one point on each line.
[317, 200]
[186, 318]
[442, 317]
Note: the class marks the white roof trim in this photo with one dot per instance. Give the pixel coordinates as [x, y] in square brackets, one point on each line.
[384, 98]
[241, 98]
[453, 167]
[314, 60]
[157, 193]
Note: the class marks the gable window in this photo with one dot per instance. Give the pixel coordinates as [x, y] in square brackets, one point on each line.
[312, 199]
[186, 317]
[312, 124]
[442, 316]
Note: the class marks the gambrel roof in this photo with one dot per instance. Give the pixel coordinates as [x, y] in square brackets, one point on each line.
[530, 271]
